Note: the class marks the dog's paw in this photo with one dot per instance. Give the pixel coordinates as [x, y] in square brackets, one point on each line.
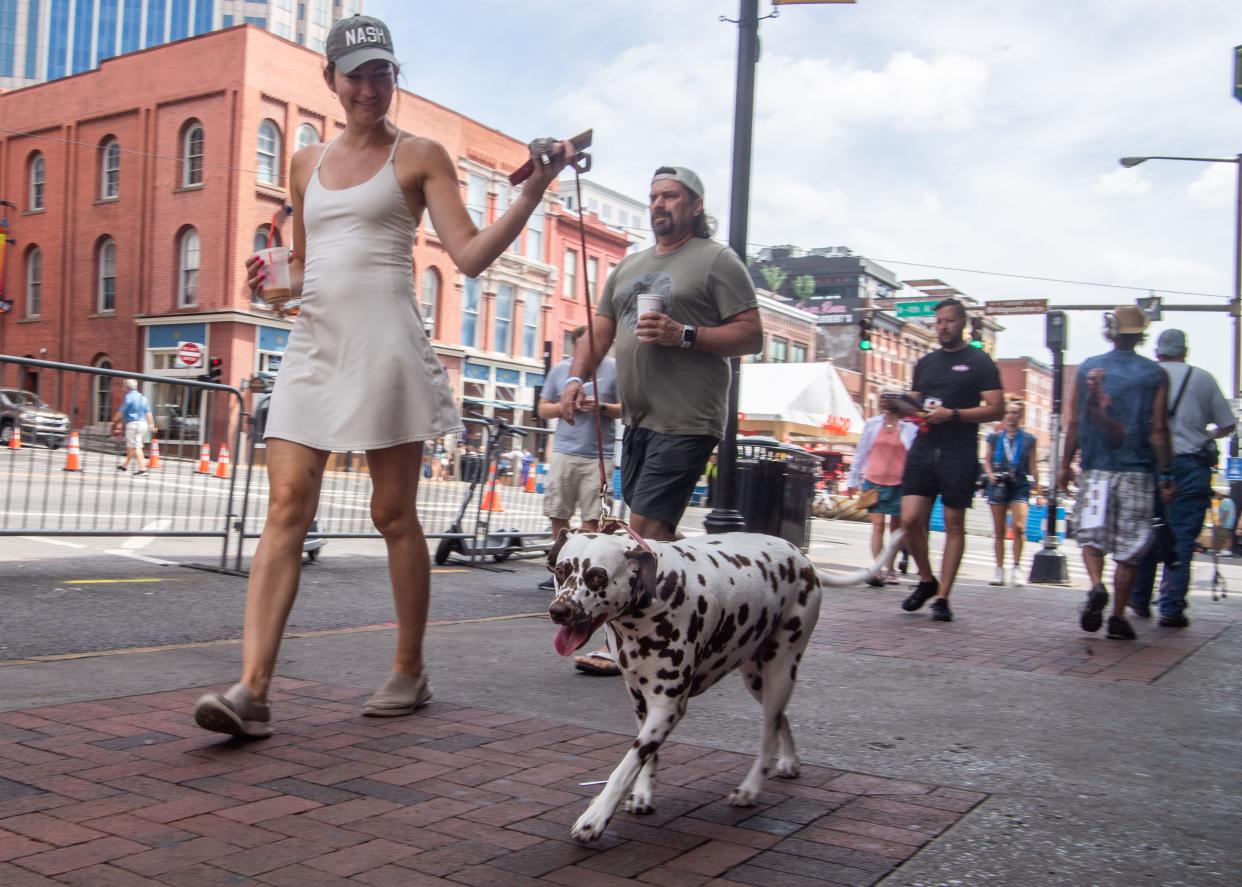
[743, 797]
[788, 768]
[639, 803]
[589, 827]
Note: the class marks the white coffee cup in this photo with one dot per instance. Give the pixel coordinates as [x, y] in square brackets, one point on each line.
[650, 302]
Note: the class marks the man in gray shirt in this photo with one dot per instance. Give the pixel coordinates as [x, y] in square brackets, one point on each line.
[672, 363]
[1195, 405]
[573, 476]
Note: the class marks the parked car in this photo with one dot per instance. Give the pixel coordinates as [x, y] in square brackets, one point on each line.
[38, 421]
[175, 426]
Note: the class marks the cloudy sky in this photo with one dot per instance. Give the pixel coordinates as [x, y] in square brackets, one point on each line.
[969, 134]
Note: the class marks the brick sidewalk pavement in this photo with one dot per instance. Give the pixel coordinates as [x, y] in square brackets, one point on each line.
[129, 791]
[1021, 629]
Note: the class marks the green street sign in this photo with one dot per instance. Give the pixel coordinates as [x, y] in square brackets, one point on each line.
[926, 308]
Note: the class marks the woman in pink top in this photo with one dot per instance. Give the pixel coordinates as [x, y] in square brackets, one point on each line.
[878, 465]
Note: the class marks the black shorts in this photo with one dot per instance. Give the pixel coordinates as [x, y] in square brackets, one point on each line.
[950, 473]
[659, 471]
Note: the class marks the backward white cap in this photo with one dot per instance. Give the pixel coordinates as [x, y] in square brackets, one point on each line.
[683, 176]
[131, 383]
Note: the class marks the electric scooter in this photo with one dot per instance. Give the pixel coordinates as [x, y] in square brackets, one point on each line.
[498, 544]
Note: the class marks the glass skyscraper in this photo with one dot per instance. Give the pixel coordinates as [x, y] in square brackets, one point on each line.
[46, 39]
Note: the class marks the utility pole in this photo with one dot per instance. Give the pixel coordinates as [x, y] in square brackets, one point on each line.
[1049, 566]
[724, 516]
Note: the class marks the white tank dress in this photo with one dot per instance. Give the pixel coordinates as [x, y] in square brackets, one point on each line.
[358, 372]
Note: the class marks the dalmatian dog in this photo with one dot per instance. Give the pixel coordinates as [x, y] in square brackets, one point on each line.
[683, 615]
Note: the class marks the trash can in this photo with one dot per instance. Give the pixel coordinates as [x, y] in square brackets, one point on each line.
[775, 487]
[470, 465]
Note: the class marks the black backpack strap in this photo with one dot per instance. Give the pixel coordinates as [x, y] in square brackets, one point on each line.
[1180, 391]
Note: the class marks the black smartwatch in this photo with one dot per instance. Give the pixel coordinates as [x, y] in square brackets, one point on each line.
[688, 336]
[957, 417]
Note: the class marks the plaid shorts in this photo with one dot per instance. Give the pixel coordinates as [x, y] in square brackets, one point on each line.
[1125, 531]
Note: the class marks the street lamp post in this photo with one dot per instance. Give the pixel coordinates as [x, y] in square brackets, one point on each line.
[1235, 297]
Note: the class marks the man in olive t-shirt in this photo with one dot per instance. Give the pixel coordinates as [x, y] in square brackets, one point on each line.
[672, 365]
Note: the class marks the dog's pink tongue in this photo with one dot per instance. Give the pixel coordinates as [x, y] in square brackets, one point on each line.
[570, 638]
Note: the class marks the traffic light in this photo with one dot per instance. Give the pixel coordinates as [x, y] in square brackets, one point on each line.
[976, 332]
[864, 334]
[215, 366]
[1056, 331]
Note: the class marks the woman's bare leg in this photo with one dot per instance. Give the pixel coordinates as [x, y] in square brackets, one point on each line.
[294, 474]
[395, 472]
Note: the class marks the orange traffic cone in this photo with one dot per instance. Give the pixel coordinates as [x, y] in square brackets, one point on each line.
[73, 454]
[154, 461]
[204, 460]
[491, 497]
[15, 440]
[222, 461]
[530, 480]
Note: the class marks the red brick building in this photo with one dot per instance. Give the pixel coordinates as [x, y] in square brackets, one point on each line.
[1030, 381]
[142, 186]
[606, 246]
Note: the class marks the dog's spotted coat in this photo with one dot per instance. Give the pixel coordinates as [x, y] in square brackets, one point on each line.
[683, 616]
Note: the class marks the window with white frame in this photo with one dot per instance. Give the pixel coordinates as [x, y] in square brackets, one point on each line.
[101, 393]
[110, 170]
[307, 135]
[38, 179]
[268, 153]
[798, 353]
[321, 13]
[592, 277]
[530, 323]
[567, 344]
[569, 278]
[34, 282]
[261, 237]
[192, 156]
[470, 312]
[502, 323]
[779, 349]
[476, 199]
[431, 300]
[534, 234]
[106, 289]
[187, 269]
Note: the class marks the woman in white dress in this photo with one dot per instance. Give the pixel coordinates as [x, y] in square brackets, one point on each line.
[359, 373]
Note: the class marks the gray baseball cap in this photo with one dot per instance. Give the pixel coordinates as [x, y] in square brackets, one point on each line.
[356, 40]
[1172, 343]
[683, 176]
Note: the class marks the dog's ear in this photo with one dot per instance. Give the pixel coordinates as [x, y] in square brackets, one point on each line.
[555, 550]
[642, 565]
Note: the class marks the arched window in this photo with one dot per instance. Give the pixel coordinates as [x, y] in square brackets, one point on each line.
[192, 155]
[307, 135]
[38, 178]
[106, 287]
[431, 301]
[101, 393]
[34, 282]
[110, 170]
[268, 153]
[187, 269]
[260, 237]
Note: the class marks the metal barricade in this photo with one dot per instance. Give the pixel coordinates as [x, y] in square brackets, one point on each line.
[62, 477]
[477, 494]
[775, 487]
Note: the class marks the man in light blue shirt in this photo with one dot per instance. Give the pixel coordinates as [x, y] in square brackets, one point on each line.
[134, 416]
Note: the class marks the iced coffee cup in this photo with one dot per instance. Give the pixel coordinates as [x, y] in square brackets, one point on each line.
[650, 302]
[276, 286]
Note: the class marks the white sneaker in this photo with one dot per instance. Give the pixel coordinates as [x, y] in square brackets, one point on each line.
[999, 578]
[1011, 577]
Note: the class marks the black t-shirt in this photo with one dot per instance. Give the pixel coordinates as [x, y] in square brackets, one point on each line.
[958, 379]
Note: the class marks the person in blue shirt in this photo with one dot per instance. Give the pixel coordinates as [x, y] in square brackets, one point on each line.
[1009, 463]
[1119, 420]
[134, 417]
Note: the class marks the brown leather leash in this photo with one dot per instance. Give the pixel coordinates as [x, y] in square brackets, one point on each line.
[608, 524]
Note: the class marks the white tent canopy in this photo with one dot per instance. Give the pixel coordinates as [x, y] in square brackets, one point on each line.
[798, 393]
